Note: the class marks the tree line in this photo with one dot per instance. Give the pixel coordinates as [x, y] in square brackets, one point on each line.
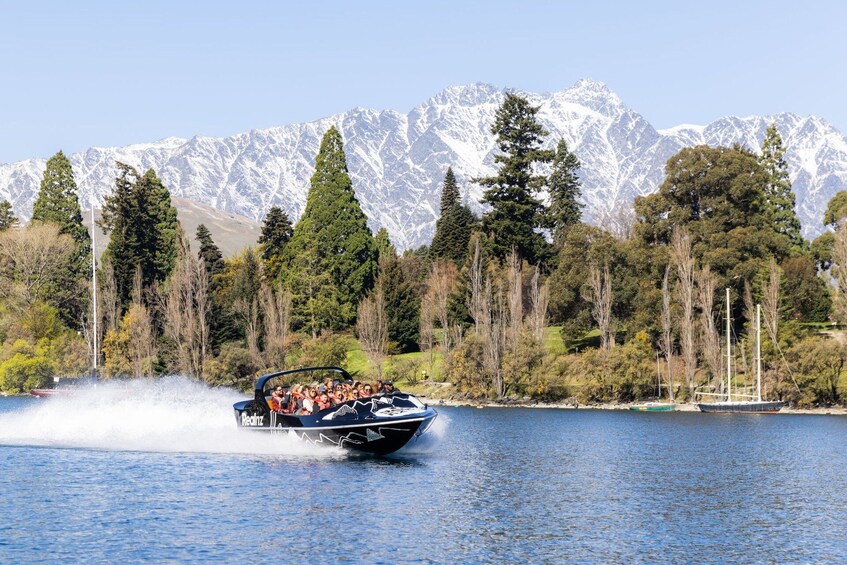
[525, 302]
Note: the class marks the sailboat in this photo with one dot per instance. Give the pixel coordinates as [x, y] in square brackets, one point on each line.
[656, 406]
[741, 403]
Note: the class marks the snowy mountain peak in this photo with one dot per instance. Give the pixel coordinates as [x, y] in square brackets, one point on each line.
[397, 161]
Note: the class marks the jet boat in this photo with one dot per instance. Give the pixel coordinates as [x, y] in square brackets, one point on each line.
[380, 424]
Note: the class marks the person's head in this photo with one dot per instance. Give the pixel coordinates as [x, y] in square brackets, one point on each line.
[340, 397]
[368, 390]
[313, 392]
[388, 386]
[278, 391]
[323, 397]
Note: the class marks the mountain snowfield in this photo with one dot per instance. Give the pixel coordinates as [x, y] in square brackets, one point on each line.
[397, 161]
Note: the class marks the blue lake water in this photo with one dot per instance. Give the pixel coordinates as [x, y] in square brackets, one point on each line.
[156, 471]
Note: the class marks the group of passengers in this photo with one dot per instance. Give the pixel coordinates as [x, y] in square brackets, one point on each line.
[301, 400]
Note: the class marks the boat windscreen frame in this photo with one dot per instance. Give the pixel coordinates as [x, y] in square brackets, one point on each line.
[260, 384]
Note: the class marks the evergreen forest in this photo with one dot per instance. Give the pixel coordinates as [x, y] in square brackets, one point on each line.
[527, 303]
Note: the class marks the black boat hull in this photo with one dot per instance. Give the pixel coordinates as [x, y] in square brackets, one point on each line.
[378, 438]
[742, 407]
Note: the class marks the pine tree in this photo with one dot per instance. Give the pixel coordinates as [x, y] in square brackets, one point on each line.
[565, 189]
[402, 304]
[212, 257]
[384, 247]
[515, 211]
[453, 228]
[57, 203]
[332, 238]
[209, 252]
[276, 233]
[7, 216]
[778, 194]
[449, 192]
[142, 225]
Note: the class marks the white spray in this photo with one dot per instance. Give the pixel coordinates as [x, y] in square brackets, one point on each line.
[171, 414]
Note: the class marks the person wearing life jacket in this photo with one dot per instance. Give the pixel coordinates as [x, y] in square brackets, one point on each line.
[309, 401]
[277, 399]
[295, 403]
[322, 403]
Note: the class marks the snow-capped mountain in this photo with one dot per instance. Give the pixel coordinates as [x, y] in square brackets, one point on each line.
[397, 161]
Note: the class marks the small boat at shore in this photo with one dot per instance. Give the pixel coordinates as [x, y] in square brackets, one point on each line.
[653, 407]
[380, 425]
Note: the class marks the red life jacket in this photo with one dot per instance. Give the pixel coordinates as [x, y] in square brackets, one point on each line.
[274, 404]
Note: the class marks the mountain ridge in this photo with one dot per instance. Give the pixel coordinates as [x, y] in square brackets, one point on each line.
[397, 161]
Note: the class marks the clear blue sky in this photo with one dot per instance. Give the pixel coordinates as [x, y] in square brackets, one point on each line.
[79, 74]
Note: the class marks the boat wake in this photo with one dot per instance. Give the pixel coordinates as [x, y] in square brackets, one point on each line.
[171, 414]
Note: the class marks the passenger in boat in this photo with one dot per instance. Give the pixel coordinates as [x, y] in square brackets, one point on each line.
[340, 397]
[388, 387]
[309, 401]
[367, 392]
[380, 387]
[295, 403]
[322, 403]
[278, 400]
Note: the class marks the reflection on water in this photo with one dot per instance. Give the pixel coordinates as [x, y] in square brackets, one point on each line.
[493, 484]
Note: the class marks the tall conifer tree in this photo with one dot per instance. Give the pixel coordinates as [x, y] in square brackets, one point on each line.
[453, 228]
[515, 211]
[333, 238]
[58, 203]
[209, 252]
[384, 247]
[276, 233]
[212, 257]
[778, 193]
[402, 304]
[565, 189]
[142, 225]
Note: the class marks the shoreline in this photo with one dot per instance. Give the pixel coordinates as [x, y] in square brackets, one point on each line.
[831, 411]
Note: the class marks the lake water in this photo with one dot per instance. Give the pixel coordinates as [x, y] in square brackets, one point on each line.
[156, 471]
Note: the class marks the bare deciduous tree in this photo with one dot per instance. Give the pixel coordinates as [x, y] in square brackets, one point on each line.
[277, 315]
[427, 330]
[839, 270]
[493, 327]
[600, 296]
[515, 299]
[372, 327]
[770, 301]
[539, 299]
[108, 296]
[684, 262]
[475, 298]
[440, 285]
[31, 259]
[710, 343]
[186, 309]
[667, 331]
[141, 340]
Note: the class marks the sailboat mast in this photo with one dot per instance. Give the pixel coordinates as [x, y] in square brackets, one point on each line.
[728, 352]
[758, 352]
[94, 285]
